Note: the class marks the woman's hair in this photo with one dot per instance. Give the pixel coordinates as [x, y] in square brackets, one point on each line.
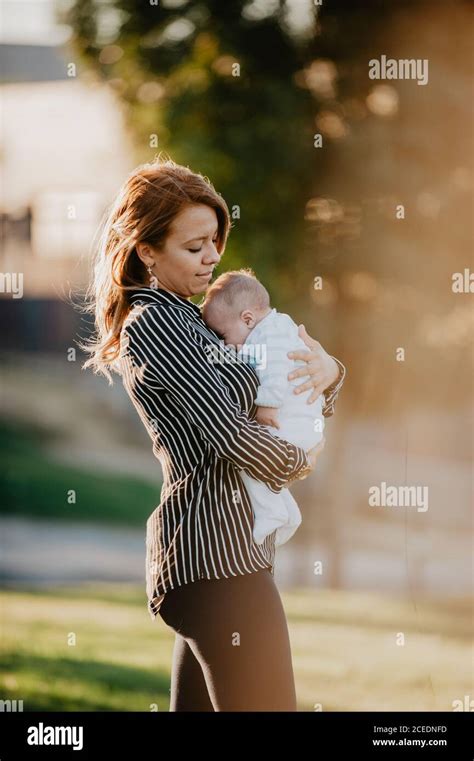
[142, 212]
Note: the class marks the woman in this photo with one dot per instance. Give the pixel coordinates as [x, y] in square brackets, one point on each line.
[206, 578]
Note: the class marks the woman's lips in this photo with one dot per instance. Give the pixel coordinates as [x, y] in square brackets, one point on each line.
[208, 276]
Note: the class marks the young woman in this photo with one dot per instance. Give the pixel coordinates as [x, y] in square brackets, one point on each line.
[205, 577]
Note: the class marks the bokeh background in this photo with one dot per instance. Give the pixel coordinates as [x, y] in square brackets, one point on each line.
[379, 599]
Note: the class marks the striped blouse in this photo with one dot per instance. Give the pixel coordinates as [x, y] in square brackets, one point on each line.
[199, 413]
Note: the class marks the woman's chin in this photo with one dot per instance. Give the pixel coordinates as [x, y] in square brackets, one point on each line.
[200, 288]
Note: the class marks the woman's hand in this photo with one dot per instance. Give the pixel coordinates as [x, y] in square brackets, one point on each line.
[314, 453]
[311, 455]
[322, 368]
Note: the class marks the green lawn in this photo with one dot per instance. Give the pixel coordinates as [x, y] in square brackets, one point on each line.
[34, 485]
[344, 647]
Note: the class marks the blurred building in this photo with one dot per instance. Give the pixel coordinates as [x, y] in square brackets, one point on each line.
[59, 133]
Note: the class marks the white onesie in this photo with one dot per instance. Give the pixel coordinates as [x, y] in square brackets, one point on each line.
[301, 424]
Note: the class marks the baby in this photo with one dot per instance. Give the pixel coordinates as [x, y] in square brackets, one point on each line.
[237, 307]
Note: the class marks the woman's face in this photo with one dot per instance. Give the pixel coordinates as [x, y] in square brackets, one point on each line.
[185, 263]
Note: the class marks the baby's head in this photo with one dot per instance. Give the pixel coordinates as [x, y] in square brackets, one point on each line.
[234, 304]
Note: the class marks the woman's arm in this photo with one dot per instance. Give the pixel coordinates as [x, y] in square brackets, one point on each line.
[175, 361]
[326, 373]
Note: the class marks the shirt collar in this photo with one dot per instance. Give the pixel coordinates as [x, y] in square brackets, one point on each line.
[148, 295]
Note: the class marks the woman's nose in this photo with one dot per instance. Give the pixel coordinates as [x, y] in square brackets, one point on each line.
[212, 254]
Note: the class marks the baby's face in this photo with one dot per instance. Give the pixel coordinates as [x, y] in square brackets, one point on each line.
[233, 330]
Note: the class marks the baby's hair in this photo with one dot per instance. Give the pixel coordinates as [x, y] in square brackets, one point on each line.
[236, 287]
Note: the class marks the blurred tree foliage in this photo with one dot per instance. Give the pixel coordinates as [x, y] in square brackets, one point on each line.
[250, 133]
[307, 211]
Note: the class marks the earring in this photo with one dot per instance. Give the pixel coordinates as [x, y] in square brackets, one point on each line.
[153, 279]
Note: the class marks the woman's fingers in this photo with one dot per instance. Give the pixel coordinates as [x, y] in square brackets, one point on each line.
[321, 368]
[317, 392]
[303, 387]
[312, 366]
[310, 342]
[307, 356]
[301, 354]
[316, 381]
[314, 453]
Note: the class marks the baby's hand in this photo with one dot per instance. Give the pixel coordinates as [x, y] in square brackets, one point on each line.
[267, 416]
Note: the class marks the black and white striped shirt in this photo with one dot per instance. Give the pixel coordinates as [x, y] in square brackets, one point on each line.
[199, 413]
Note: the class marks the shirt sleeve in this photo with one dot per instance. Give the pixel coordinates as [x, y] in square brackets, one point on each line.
[331, 393]
[273, 374]
[178, 363]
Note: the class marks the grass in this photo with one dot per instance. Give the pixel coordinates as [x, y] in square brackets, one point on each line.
[33, 485]
[84, 650]
[95, 648]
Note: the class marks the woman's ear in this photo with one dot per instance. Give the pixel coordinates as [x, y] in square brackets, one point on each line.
[140, 248]
[145, 254]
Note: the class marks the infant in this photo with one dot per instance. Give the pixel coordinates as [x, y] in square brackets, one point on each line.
[237, 307]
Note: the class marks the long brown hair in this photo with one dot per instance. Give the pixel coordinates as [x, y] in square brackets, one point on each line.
[142, 212]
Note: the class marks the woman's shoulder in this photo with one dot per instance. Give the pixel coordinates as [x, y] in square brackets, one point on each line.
[142, 314]
[150, 321]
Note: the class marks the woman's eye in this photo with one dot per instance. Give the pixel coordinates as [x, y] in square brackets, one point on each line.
[197, 250]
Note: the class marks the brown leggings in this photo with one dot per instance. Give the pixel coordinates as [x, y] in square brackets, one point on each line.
[232, 649]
